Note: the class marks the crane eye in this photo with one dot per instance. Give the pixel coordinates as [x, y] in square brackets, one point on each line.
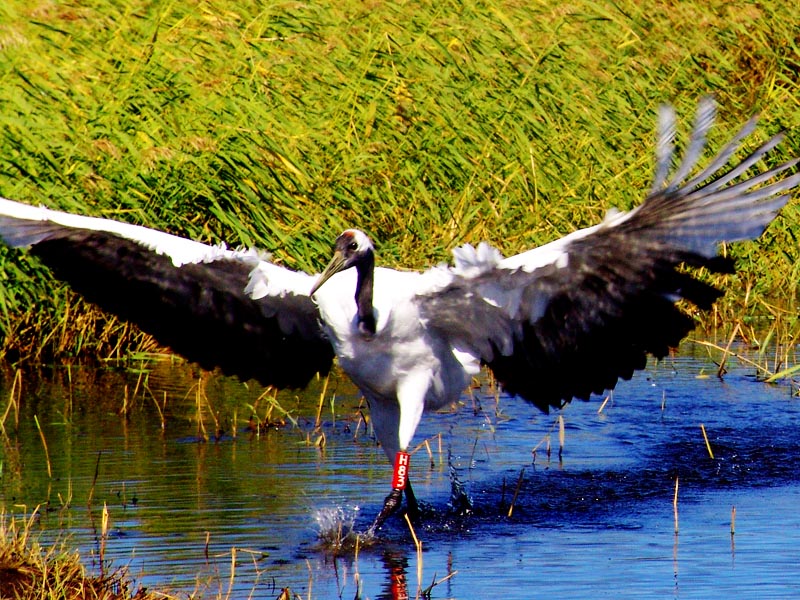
[353, 246]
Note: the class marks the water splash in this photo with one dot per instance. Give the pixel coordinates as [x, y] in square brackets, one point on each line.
[336, 527]
[460, 504]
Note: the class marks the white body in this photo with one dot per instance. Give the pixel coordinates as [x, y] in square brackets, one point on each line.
[401, 362]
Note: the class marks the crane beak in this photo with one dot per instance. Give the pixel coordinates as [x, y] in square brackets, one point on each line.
[338, 263]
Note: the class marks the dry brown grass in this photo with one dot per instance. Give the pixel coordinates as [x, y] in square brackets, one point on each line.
[29, 570]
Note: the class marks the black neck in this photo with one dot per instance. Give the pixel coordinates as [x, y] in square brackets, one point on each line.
[366, 277]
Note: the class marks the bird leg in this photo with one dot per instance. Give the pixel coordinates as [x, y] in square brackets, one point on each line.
[392, 502]
[412, 506]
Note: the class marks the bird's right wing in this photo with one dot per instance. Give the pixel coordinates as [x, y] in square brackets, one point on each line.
[217, 307]
[570, 318]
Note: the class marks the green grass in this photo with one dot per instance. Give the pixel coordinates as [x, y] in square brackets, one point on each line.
[426, 124]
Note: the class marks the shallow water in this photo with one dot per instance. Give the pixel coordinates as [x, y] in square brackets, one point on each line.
[599, 521]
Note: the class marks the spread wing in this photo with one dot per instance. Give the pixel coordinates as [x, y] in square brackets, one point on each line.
[570, 318]
[217, 307]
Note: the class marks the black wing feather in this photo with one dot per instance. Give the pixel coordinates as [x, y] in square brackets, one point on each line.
[575, 328]
[200, 310]
[604, 315]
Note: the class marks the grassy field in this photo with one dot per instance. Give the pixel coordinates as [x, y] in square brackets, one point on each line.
[427, 124]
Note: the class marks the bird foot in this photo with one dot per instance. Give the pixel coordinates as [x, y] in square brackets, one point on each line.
[390, 505]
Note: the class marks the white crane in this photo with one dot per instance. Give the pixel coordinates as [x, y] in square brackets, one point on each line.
[554, 323]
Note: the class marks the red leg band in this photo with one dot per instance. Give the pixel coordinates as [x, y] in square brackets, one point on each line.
[402, 460]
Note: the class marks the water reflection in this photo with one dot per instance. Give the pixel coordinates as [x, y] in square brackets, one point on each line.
[187, 514]
[396, 564]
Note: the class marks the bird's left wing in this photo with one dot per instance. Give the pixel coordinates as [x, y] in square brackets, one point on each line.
[217, 307]
[570, 318]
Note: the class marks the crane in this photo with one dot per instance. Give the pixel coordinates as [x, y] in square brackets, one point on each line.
[558, 322]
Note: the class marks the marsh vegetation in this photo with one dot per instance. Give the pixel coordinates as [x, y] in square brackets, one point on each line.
[426, 124]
